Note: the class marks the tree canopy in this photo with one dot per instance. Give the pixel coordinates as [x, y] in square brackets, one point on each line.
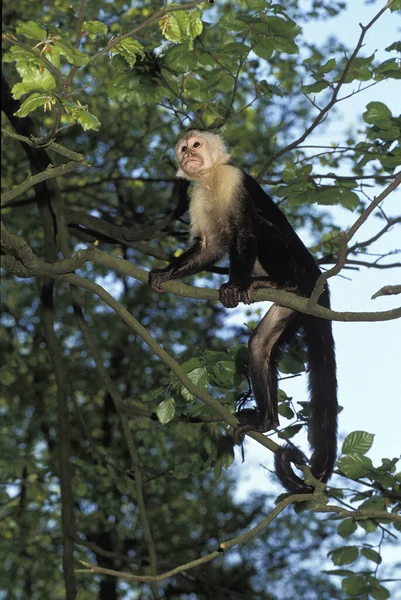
[117, 453]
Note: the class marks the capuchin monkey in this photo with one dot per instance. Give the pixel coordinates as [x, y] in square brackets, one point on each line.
[230, 215]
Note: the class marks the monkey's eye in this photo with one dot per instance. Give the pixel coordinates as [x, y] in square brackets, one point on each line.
[196, 145]
[184, 148]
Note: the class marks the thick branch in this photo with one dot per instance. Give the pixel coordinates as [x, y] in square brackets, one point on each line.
[181, 289]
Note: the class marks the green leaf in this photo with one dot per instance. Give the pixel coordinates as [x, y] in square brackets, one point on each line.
[355, 465]
[23, 57]
[32, 30]
[380, 593]
[285, 411]
[285, 45]
[264, 49]
[347, 527]
[374, 504]
[358, 442]
[71, 54]
[182, 26]
[340, 572]
[349, 200]
[179, 58]
[368, 525]
[346, 555]
[87, 120]
[330, 65]
[94, 28]
[191, 364]
[256, 5]
[395, 5]
[291, 364]
[290, 431]
[395, 46]
[195, 26]
[129, 50]
[353, 585]
[388, 69]
[166, 410]
[372, 555]
[315, 88]
[200, 378]
[289, 174]
[375, 112]
[31, 103]
[236, 48]
[34, 80]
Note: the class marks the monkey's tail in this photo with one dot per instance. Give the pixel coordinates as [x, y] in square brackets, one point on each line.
[322, 427]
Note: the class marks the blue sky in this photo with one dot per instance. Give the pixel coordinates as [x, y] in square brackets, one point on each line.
[368, 354]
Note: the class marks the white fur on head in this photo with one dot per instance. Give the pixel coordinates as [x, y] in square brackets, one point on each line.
[213, 148]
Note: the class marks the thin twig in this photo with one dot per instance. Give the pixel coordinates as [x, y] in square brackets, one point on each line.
[334, 97]
[345, 237]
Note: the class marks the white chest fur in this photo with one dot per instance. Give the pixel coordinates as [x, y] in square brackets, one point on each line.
[213, 203]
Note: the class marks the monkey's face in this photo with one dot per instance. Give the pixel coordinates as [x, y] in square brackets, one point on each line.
[198, 153]
[194, 155]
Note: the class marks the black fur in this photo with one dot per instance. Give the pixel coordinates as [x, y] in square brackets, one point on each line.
[260, 231]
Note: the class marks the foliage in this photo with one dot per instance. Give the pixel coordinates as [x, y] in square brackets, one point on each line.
[109, 457]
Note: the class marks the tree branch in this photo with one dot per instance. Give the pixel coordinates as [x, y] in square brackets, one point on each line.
[319, 506]
[345, 237]
[387, 290]
[153, 19]
[298, 303]
[323, 112]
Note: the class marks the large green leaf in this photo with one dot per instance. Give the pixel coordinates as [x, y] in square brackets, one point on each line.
[358, 442]
[32, 30]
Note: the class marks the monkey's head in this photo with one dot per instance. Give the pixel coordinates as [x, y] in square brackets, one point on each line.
[199, 152]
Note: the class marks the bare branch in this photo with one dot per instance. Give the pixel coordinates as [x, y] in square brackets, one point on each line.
[49, 173]
[387, 290]
[319, 506]
[334, 97]
[346, 237]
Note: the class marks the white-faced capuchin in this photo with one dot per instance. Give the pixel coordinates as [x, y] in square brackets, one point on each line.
[231, 215]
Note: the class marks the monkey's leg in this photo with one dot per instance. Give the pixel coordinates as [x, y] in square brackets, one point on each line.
[276, 329]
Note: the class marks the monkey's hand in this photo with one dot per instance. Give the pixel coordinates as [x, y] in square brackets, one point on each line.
[156, 278]
[231, 293]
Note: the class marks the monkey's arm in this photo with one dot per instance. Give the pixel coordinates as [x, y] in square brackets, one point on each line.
[192, 261]
[242, 259]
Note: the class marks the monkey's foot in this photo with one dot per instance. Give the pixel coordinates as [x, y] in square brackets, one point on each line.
[156, 278]
[252, 420]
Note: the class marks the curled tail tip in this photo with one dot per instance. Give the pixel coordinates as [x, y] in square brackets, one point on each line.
[284, 470]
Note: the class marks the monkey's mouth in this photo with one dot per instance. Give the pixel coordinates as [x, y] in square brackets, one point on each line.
[192, 161]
